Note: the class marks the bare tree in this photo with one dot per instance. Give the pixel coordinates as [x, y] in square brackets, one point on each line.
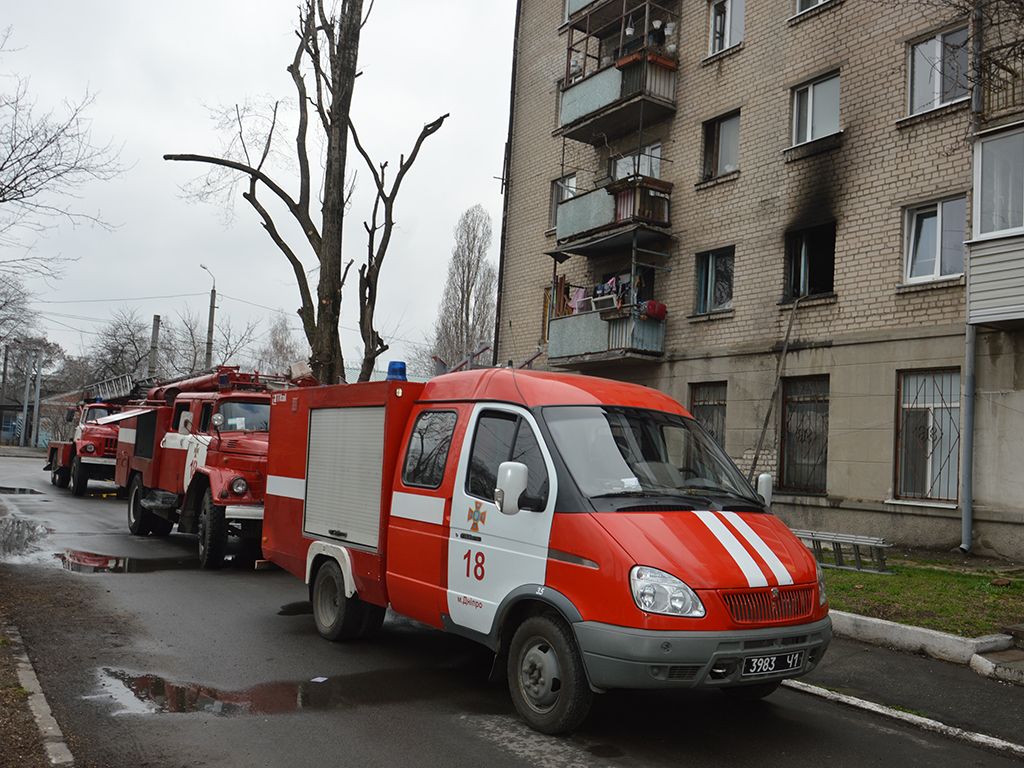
[45, 158]
[16, 318]
[121, 346]
[465, 317]
[280, 349]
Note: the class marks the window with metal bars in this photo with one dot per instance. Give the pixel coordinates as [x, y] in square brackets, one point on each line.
[707, 404]
[803, 453]
[928, 435]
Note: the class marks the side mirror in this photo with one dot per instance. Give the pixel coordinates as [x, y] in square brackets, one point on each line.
[764, 487]
[512, 481]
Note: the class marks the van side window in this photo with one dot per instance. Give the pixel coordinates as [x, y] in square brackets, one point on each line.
[179, 409]
[492, 444]
[527, 451]
[427, 454]
[204, 417]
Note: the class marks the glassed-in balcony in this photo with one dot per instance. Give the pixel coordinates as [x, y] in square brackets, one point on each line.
[587, 339]
[995, 283]
[633, 200]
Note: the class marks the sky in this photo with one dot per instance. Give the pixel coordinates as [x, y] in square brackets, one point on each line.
[156, 70]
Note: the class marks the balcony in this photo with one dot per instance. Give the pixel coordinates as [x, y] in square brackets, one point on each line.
[588, 340]
[995, 283]
[624, 205]
[638, 90]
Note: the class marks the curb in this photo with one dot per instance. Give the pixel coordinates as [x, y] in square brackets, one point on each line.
[57, 751]
[939, 645]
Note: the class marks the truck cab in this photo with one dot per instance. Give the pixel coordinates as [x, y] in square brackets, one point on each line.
[90, 454]
[589, 532]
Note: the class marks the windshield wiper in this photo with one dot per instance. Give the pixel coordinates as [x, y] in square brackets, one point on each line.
[646, 494]
[718, 490]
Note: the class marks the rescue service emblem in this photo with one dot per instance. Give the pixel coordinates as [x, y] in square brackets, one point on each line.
[477, 515]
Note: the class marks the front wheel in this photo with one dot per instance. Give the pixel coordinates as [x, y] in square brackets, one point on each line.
[79, 477]
[59, 476]
[546, 677]
[337, 617]
[213, 534]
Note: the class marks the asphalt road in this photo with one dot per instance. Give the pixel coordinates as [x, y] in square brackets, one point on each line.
[164, 665]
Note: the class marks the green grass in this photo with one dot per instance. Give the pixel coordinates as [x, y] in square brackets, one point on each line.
[959, 603]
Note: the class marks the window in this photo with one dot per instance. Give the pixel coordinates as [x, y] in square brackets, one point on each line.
[707, 404]
[204, 417]
[938, 71]
[179, 409]
[806, 5]
[502, 436]
[928, 435]
[561, 190]
[726, 24]
[804, 450]
[999, 175]
[427, 453]
[646, 162]
[714, 280]
[721, 146]
[810, 261]
[816, 110]
[935, 240]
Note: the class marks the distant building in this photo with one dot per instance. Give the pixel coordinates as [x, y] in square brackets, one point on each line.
[764, 207]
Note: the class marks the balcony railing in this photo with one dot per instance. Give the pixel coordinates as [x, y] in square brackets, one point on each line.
[1003, 80]
[587, 334]
[637, 199]
[995, 286]
[612, 102]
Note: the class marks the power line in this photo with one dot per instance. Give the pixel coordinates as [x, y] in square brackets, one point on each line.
[114, 300]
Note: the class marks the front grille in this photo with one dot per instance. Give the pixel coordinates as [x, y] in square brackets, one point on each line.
[110, 447]
[682, 673]
[758, 606]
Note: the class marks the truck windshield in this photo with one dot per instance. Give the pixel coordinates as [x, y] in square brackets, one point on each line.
[630, 452]
[239, 416]
[97, 413]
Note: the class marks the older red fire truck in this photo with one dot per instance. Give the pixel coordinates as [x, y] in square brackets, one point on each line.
[194, 453]
[589, 532]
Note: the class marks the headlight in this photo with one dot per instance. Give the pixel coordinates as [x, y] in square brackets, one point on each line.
[239, 486]
[821, 584]
[89, 448]
[658, 592]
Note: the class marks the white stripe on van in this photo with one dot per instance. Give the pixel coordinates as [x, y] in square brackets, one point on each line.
[782, 575]
[755, 576]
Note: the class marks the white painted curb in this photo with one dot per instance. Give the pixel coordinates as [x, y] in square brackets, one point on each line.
[995, 670]
[938, 645]
[57, 751]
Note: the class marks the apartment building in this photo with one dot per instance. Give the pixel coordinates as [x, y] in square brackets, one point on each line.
[771, 211]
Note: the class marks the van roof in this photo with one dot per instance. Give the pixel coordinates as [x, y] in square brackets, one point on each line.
[537, 388]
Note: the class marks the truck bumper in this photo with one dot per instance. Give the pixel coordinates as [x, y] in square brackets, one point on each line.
[621, 657]
[243, 511]
[97, 461]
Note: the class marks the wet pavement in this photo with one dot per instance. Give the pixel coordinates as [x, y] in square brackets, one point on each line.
[148, 660]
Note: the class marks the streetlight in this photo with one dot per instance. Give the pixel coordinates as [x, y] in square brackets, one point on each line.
[209, 325]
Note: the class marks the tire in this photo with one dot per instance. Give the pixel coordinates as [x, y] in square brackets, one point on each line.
[79, 477]
[138, 518]
[750, 693]
[213, 534]
[546, 677]
[59, 476]
[337, 617]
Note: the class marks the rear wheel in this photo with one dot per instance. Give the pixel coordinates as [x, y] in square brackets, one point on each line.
[138, 517]
[79, 477]
[750, 693]
[546, 676]
[213, 533]
[337, 617]
[59, 476]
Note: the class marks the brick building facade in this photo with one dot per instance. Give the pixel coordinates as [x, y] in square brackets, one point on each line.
[792, 183]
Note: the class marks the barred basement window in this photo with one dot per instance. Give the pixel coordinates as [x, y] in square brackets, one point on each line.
[804, 448]
[928, 435]
[707, 404]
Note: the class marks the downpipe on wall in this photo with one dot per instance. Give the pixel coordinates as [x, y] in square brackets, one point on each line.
[967, 444]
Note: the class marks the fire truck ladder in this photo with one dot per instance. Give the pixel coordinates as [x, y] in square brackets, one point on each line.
[112, 389]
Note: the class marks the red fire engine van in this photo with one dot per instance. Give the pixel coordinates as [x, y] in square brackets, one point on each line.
[89, 455]
[587, 531]
[195, 454]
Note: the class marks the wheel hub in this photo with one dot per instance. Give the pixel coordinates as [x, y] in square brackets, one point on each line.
[540, 675]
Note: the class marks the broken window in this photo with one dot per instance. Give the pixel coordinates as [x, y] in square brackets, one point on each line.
[803, 453]
[816, 109]
[938, 71]
[714, 280]
[810, 261]
[935, 242]
[928, 435]
[721, 146]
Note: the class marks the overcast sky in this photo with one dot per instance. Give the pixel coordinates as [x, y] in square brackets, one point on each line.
[154, 70]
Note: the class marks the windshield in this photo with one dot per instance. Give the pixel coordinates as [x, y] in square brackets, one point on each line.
[98, 413]
[240, 416]
[634, 452]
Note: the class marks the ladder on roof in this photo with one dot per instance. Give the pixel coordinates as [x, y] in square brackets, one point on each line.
[112, 389]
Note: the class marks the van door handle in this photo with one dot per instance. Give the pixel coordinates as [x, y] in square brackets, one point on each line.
[469, 536]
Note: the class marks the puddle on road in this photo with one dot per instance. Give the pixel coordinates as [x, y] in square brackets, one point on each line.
[9, 490]
[80, 561]
[17, 535]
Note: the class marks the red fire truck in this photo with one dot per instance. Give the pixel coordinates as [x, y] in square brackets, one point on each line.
[589, 532]
[89, 455]
[195, 454]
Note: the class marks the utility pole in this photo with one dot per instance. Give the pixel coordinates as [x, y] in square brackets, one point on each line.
[209, 325]
[39, 381]
[3, 391]
[24, 399]
[154, 342]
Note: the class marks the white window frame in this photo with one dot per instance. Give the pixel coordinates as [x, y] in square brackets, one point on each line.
[706, 292]
[937, 88]
[652, 152]
[809, 87]
[910, 219]
[727, 41]
[976, 232]
[811, 7]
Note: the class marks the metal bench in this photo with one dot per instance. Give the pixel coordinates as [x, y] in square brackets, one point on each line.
[866, 552]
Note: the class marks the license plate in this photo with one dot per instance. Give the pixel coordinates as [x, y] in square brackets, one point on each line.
[769, 665]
